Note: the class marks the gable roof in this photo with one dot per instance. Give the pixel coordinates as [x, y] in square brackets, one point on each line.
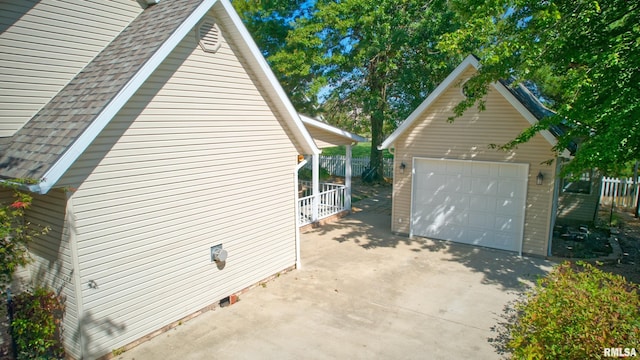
[330, 129]
[526, 108]
[62, 130]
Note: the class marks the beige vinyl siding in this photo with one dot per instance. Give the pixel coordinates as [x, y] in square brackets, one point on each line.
[580, 207]
[53, 264]
[469, 138]
[195, 159]
[44, 44]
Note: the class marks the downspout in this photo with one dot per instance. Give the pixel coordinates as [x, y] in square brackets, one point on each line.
[554, 205]
[297, 213]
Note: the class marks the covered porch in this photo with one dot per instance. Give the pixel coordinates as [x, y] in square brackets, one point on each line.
[315, 200]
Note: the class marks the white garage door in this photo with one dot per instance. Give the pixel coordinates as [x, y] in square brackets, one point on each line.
[472, 202]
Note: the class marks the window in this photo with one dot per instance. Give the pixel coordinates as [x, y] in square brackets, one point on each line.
[578, 185]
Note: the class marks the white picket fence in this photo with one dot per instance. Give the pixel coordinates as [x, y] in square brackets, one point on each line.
[623, 191]
[335, 165]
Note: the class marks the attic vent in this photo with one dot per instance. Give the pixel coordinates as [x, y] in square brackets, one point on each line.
[209, 36]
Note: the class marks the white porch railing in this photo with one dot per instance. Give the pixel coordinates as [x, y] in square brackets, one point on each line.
[331, 201]
[622, 191]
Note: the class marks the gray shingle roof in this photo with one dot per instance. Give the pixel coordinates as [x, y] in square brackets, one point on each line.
[31, 151]
[537, 109]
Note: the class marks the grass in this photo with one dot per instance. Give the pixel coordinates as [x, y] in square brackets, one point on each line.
[358, 150]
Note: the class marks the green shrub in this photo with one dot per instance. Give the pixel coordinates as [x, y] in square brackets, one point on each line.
[15, 233]
[307, 174]
[36, 325]
[575, 313]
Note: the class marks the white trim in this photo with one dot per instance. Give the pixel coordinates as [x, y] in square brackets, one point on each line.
[66, 160]
[444, 85]
[502, 89]
[306, 141]
[332, 129]
[295, 218]
[76, 280]
[413, 175]
[435, 94]
[524, 205]
[100, 122]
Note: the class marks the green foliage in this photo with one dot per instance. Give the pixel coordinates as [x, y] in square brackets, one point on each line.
[307, 174]
[583, 57]
[37, 325]
[15, 234]
[358, 150]
[364, 64]
[574, 313]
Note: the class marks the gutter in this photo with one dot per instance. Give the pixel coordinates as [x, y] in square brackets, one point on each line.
[295, 177]
[33, 188]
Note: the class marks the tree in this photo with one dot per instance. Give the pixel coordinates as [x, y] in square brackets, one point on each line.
[372, 61]
[583, 56]
[15, 234]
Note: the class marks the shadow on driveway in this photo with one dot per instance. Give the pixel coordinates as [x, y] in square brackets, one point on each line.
[363, 293]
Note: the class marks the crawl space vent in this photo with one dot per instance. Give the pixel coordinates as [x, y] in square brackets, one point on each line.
[209, 35]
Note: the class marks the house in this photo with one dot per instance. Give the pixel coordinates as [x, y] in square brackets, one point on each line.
[450, 184]
[159, 141]
[326, 200]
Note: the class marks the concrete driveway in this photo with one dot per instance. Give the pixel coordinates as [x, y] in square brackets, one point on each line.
[362, 293]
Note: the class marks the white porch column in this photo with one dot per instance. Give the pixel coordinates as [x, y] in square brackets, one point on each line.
[315, 186]
[347, 179]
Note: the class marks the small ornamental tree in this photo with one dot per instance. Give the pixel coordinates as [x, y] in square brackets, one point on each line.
[576, 312]
[15, 234]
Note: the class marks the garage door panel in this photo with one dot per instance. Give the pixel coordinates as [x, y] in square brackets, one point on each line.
[509, 206]
[505, 224]
[482, 186]
[480, 170]
[473, 202]
[482, 203]
[504, 241]
[509, 188]
[482, 220]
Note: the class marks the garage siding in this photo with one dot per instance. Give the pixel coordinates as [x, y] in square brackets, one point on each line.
[196, 158]
[469, 138]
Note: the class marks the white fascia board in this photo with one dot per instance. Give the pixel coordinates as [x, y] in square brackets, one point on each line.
[298, 129]
[80, 145]
[469, 61]
[332, 129]
[546, 134]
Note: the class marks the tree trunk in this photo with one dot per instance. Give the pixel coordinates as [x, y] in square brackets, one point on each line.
[378, 109]
[377, 136]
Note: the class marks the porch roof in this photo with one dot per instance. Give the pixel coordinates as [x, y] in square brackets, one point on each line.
[326, 135]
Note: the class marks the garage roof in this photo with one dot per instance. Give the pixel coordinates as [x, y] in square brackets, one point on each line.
[471, 61]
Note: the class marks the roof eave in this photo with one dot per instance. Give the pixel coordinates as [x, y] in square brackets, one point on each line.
[332, 129]
[468, 61]
[300, 133]
[57, 170]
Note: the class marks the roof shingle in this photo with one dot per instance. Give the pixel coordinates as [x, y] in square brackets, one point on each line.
[32, 150]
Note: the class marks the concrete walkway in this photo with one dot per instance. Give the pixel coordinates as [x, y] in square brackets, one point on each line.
[362, 293]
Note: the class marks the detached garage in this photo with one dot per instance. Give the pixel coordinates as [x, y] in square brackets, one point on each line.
[450, 184]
